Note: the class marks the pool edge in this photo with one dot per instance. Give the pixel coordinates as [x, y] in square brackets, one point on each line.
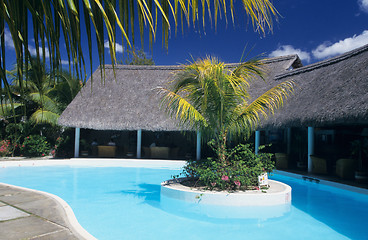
[73, 224]
[325, 182]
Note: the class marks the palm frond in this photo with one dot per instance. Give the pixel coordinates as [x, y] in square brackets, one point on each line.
[6, 109]
[248, 116]
[180, 108]
[45, 102]
[43, 116]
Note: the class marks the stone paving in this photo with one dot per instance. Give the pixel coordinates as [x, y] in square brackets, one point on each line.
[30, 215]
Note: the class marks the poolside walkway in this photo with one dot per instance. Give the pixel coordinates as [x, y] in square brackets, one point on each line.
[30, 215]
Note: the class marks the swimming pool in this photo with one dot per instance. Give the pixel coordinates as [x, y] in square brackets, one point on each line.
[124, 203]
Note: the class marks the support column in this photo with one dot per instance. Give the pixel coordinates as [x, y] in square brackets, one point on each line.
[257, 141]
[139, 143]
[288, 141]
[76, 142]
[198, 154]
[310, 147]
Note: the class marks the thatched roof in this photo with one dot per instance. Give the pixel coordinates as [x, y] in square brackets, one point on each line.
[130, 102]
[331, 92]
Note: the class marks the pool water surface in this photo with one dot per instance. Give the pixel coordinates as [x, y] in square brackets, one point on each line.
[124, 203]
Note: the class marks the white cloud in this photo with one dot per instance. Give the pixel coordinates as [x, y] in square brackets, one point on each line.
[118, 47]
[32, 51]
[8, 39]
[363, 4]
[288, 50]
[329, 50]
[64, 62]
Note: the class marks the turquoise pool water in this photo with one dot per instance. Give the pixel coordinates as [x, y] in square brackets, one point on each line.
[124, 203]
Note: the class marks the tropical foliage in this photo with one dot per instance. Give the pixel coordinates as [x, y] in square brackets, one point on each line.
[240, 171]
[38, 106]
[44, 95]
[137, 57]
[35, 146]
[212, 98]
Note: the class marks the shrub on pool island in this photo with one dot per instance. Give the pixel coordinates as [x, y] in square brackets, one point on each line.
[240, 171]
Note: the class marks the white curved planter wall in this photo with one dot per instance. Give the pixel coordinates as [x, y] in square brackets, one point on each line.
[275, 202]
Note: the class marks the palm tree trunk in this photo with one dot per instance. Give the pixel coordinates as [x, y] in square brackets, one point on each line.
[222, 147]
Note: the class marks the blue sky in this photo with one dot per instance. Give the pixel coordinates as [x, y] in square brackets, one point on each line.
[313, 29]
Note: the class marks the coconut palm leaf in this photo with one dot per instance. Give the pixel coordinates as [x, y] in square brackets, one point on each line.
[6, 109]
[45, 102]
[45, 93]
[61, 19]
[43, 116]
[180, 108]
[248, 116]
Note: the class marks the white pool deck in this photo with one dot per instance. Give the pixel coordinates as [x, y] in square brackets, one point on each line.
[29, 214]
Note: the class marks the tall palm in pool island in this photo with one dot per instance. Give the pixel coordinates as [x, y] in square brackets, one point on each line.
[212, 98]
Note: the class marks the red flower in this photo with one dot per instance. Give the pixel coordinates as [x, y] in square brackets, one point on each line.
[225, 178]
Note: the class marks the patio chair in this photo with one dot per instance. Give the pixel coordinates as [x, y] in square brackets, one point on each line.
[282, 160]
[319, 165]
[160, 152]
[106, 151]
[147, 152]
[345, 168]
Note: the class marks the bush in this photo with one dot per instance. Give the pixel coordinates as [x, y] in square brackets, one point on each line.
[63, 147]
[5, 148]
[240, 172]
[35, 146]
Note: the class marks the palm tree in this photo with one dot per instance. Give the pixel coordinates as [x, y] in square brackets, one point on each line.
[209, 97]
[52, 20]
[44, 96]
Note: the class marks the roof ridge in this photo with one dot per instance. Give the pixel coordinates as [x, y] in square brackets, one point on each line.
[142, 67]
[175, 67]
[323, 63]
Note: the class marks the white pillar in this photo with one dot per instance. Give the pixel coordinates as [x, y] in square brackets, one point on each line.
[257, 141]
[310, 147]
[288, 141]
[198, 154]
[139, 143]
[76, 142]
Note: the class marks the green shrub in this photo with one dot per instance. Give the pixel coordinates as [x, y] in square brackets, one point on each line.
[239, 172]
[35, 146]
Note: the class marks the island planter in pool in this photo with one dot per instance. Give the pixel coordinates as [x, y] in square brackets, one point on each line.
[270, 203]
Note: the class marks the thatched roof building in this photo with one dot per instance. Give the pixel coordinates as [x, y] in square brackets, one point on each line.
[328, 93]
[130, 102]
